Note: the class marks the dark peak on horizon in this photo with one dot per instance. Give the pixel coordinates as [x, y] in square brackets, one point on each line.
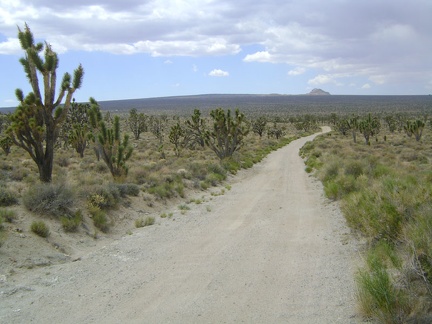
[318, 92]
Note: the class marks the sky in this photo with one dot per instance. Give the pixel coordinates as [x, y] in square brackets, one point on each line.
[154, 48]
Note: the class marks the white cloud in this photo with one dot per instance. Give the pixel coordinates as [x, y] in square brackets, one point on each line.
[321, 79]
[297, 71]
[218, 73]
[168, 62]
[366, 86]
[262, 56]
[334, 37]
[11, 46]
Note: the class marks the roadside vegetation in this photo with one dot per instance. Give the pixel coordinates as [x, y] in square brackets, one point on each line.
[76, 164]
[384, 187]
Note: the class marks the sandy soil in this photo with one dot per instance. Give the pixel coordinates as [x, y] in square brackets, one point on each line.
[270, 250]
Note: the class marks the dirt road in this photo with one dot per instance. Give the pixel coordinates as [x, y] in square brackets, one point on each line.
[270, 250]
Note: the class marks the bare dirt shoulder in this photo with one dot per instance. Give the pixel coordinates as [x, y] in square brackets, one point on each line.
[272, 249]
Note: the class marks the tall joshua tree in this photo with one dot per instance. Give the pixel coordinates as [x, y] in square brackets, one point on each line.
[37, 120]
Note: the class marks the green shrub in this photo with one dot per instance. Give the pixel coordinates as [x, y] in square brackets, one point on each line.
[354, 168]
[163, 191]
[378, 296]
[419, 236]
[104, 196]
[48, 198]
[331, 171]
[372, 214]
[231, 165]
[128, 189]
[100, 220]
[179, 188]
[71, 224]
[142, 222]
[184, 207]
[8, 215]
[40, 228]
[3, 234]
[7, 197]
[214, 178]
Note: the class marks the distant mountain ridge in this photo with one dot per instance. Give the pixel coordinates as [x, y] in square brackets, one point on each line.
[318, 92]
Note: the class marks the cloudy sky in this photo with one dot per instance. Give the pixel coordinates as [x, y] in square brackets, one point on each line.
[153, 48]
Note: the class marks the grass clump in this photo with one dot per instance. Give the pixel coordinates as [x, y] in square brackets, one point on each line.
[3, 234]
[71, 224]
[128, 189]
[8, 215]
[100, 220]
[7, 197]
[143, 222]
[40, 228]
[104, 197]
[49, 199]
[378, 296]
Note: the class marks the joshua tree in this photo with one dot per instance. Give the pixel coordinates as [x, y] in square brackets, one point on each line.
[114, 151]
[137, 123]
[259, 125]
[196, 128]
[178, 137]
[108, 144]
[354, 126]
[414, 127]
[228, 132]
[370, 126]
[37, 120]
[342, 126]
[276, 131]
[77, 129]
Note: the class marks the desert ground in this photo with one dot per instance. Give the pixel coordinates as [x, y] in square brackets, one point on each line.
[272, 249]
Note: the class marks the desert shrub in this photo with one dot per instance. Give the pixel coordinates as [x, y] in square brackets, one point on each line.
[3, 234]
[40, 228]
[8, 215]
[71, 224]
[198, 170]
[231, 165]
[330, 170]
[379, 170]
[128, 189]
[341, 186]
[63, 161]
[179, 188]
[18, 173]
[374, 215]
[378, 296]
[162, 191]
[49, 198]
[353, 168]
[419, 235]
[104, 196]
[213, 179]
[171, 187]
[7, 197]
[313, 162]
[142, 222]
[100, 220]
